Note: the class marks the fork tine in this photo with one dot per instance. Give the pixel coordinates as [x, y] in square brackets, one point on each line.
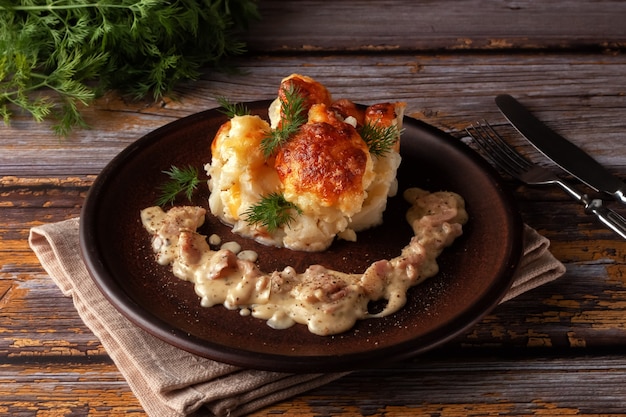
[500, 152]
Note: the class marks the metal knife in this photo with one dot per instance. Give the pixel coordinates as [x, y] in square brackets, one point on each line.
[563, 152]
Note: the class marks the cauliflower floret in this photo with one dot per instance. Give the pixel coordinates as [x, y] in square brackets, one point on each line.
[238, 172]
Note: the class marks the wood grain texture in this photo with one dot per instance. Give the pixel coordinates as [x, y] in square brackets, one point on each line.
[579, 95]
[557, 350]
[477, 386]
[67, 388]
[396, 25]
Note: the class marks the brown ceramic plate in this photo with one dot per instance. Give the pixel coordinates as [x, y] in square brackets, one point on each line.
[475, 272]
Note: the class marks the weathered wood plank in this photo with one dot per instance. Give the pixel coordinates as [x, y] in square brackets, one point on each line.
[64, 389]
[580, 95]
[38, 320]
[451, 385]
[476, 387]
[310, 26]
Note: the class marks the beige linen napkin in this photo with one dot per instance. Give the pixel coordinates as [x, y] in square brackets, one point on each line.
[171, 382]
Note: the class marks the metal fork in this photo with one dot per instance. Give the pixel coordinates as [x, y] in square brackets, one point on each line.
[514, 164]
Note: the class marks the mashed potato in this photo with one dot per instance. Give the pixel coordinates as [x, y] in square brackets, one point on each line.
[325, 169]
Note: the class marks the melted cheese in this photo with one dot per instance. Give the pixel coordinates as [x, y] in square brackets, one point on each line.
[325, 164]
[326, 301]
[239, 171]
[312, 91]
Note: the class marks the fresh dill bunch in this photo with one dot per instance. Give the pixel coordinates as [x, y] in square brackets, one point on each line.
[294, 116]
[231, 109]
[272, 212]
[57, 56]
[181, 180]
[379, 139]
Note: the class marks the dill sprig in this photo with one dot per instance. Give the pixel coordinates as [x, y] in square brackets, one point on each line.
[181, 180]
[231, 109]
[57, 56]
[272, 212]
[294, 115]
[380, 139]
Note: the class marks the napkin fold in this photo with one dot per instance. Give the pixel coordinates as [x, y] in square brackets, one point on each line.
[169, 381]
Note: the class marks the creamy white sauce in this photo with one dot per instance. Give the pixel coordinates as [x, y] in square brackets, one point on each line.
[327, 301]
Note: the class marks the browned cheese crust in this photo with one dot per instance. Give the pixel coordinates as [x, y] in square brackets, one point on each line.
[326, 158]
[310, 90]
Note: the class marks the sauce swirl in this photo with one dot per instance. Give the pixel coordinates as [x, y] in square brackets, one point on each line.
[326, 301]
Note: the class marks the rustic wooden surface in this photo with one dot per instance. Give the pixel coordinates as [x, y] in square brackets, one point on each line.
[557, 350]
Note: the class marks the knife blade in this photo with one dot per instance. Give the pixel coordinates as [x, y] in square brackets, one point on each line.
[561, 151]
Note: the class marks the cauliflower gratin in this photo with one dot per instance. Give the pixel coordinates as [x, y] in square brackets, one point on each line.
[333, 181]
[316, 159]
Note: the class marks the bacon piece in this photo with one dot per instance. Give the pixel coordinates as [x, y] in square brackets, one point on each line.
[346, 108]
[181, 218]
[222, 262]
[381, 114]
[375, 278]
[191, 246]
[321, 285]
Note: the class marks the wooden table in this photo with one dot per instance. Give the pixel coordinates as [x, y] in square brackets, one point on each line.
[557, 350]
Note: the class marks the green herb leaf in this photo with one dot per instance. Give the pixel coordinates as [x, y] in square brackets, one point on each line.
[232, 109]
[272, 212]
[57, 55]
[294, 116]
[183, 180]
[379, 139]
